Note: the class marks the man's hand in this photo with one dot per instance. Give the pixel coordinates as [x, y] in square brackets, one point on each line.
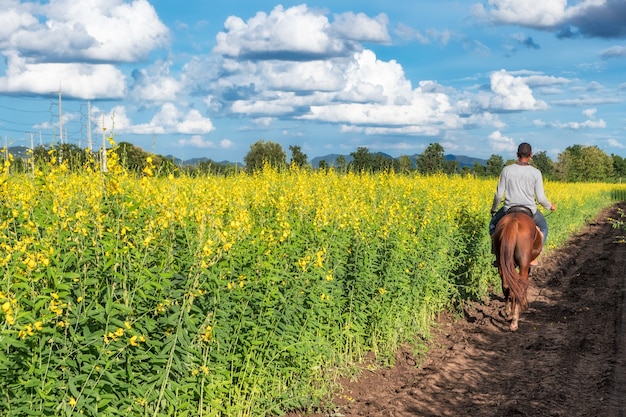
[552, 207]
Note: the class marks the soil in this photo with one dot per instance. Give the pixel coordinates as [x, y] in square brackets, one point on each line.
[568, 357]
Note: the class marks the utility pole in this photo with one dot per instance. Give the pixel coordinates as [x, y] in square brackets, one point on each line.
[104, 147]
[32, 152]
[60, 117]
[60, 127]
[89, 144]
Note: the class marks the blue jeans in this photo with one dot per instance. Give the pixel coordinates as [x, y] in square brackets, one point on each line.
[538, 217]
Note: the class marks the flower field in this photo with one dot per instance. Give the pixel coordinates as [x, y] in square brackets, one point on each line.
[245, 295]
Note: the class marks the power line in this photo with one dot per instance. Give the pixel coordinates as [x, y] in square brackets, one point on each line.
[23, 111]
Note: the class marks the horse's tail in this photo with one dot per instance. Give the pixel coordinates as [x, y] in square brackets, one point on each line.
[511, 278]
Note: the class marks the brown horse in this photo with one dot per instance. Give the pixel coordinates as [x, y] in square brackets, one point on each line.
[517, 242]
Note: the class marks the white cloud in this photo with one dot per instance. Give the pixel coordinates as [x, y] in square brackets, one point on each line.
[298, 32]
[172, 120]
[582, 18]
[533, 13]
[197, 141]
[97, 30]
[74, 79]
[587, 124]
[614, 52]
[408, 33]
[590, 113]
[317, 75]
[538, 80]
[360, 27]
[70, 44]
[501, 143]
[512, 93]
[614, 143]
[169, 119]
[591, 123]
[156, 84]
[263, 121]
[113, 121]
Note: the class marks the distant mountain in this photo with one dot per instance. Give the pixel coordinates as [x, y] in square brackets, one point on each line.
[196, 161]
[330, 159]
[464, 161]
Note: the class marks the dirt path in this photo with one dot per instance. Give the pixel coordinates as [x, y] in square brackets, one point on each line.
[567, 359]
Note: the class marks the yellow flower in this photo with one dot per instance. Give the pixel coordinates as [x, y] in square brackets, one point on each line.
[56, 308]
[72, 402]
[32, 264]
[29, 329]
[38, 326]
[133, 341]
[206, 336]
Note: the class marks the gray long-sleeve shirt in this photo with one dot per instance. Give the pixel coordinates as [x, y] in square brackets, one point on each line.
[519, 185]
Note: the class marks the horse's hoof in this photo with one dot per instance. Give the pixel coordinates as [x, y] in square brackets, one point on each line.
[513, 327]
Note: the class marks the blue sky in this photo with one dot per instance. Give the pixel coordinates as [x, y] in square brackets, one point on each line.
[196, 78]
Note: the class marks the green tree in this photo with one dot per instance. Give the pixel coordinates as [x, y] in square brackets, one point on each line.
[262, 153]
[215, 168]
[619, 167]
[567, 163]
[543, 163]
[431, 160]
[68, 153]
[132, 157]
[298, 158]
[362, 160]
[405, 164]
[382, 162]
[579, 163]
[495, 163]
[341, 163]
[451, 167]
[479, 170]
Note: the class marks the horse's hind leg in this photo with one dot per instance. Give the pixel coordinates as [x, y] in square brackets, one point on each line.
[507, 304]
[515, 320]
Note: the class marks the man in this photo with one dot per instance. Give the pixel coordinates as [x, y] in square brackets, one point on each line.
[521, 184]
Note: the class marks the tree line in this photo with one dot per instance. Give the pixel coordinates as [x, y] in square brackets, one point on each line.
[577, 163]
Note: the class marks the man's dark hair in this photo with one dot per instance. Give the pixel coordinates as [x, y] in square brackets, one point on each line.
[524, 150]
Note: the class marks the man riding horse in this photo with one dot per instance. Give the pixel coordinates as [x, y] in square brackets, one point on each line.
[521, 185]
